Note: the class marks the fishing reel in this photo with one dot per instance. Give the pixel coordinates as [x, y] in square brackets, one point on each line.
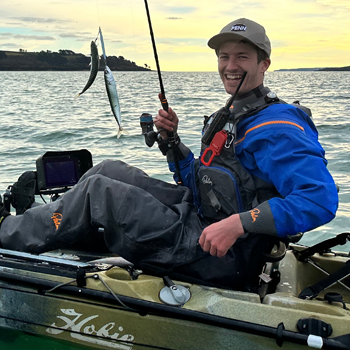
[151, 136]
[146, 123]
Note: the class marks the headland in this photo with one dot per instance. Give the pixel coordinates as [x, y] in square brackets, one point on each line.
[64, 60]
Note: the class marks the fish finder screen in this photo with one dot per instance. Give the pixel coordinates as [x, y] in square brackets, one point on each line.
[60, 172]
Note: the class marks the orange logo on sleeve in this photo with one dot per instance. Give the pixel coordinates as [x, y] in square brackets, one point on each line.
[255, 213]
[56, 217]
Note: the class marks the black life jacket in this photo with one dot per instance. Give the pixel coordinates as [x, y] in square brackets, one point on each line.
[225, 187]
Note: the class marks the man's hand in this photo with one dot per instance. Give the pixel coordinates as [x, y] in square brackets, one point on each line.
[219, 237]
[166, 121]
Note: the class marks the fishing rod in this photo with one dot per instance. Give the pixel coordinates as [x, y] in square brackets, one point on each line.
[164, 101]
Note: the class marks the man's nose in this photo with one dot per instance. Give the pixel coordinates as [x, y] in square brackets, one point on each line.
[232, 64]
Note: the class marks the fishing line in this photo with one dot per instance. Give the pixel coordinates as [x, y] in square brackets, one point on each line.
[98, 14]
[133, 27]
[98, 21]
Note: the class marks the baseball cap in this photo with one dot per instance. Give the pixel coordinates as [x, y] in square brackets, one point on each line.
[242, 29]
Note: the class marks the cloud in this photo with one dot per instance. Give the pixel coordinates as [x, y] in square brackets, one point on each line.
[173, 18]
[40, 20]
[335, 3]
[9, 45]
[74, 35]
[28, 37]
[180, 9]
[69, 35]
[78, 36]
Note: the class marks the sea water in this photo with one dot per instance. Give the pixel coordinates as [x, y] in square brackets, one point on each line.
[38, 113]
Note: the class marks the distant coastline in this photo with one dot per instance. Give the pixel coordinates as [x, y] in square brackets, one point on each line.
[64, 60]
[67, 60]
[328, 69]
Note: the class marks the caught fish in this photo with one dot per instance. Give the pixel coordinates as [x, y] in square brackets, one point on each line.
[94, 66]
[111, 88]
[112, 93]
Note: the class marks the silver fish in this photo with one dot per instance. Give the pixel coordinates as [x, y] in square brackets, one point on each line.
[94, 66]
[112, 93]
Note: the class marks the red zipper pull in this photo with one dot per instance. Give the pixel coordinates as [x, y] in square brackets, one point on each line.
[215, 147]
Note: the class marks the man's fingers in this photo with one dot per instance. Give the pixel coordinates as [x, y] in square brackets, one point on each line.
[213, 251]
[221, 253]
[211, 246]
[207, 245]
[163, 121]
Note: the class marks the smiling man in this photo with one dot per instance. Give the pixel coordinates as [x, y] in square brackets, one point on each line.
[261, 177]
[275, 163]
[235, 58]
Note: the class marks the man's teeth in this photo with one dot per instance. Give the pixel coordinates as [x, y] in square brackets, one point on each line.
[233, 77]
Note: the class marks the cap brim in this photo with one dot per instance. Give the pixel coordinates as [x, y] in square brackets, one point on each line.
[217, 40]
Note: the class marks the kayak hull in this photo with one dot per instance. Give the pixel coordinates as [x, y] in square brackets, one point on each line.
[81, 313]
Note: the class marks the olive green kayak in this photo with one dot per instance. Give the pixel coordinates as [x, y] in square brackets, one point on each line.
[79, 300]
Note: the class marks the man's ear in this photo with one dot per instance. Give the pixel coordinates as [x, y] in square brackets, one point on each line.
[265, 65]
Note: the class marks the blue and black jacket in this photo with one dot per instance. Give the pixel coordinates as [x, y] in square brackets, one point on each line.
[279, 148]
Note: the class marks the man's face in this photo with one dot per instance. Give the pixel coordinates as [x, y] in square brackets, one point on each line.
[235, 58]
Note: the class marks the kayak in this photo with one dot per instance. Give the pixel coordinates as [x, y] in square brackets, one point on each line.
[70, 299]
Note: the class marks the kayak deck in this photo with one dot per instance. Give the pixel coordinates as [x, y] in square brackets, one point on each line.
[57, 299]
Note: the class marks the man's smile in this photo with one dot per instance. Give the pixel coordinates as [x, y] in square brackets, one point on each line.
[233, 76]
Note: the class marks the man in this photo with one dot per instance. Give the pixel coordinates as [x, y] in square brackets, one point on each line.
[267, 152]
[266, 180]
[234, 58]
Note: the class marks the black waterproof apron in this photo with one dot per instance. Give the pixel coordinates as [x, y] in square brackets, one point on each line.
[147, 221]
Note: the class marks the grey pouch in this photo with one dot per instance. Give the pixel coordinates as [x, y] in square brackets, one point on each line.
[219, 192]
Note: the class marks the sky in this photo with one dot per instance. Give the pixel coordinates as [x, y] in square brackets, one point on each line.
[303, 33]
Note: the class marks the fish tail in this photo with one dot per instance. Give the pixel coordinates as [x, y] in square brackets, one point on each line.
[122, 131]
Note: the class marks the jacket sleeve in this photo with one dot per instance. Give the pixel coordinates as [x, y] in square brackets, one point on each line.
[288, 155]
[187, 165]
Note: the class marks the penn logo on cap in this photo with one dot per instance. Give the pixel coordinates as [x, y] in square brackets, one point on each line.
[242, 29]
[238, 28]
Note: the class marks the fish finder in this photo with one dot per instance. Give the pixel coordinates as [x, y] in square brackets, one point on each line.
[57, 171]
